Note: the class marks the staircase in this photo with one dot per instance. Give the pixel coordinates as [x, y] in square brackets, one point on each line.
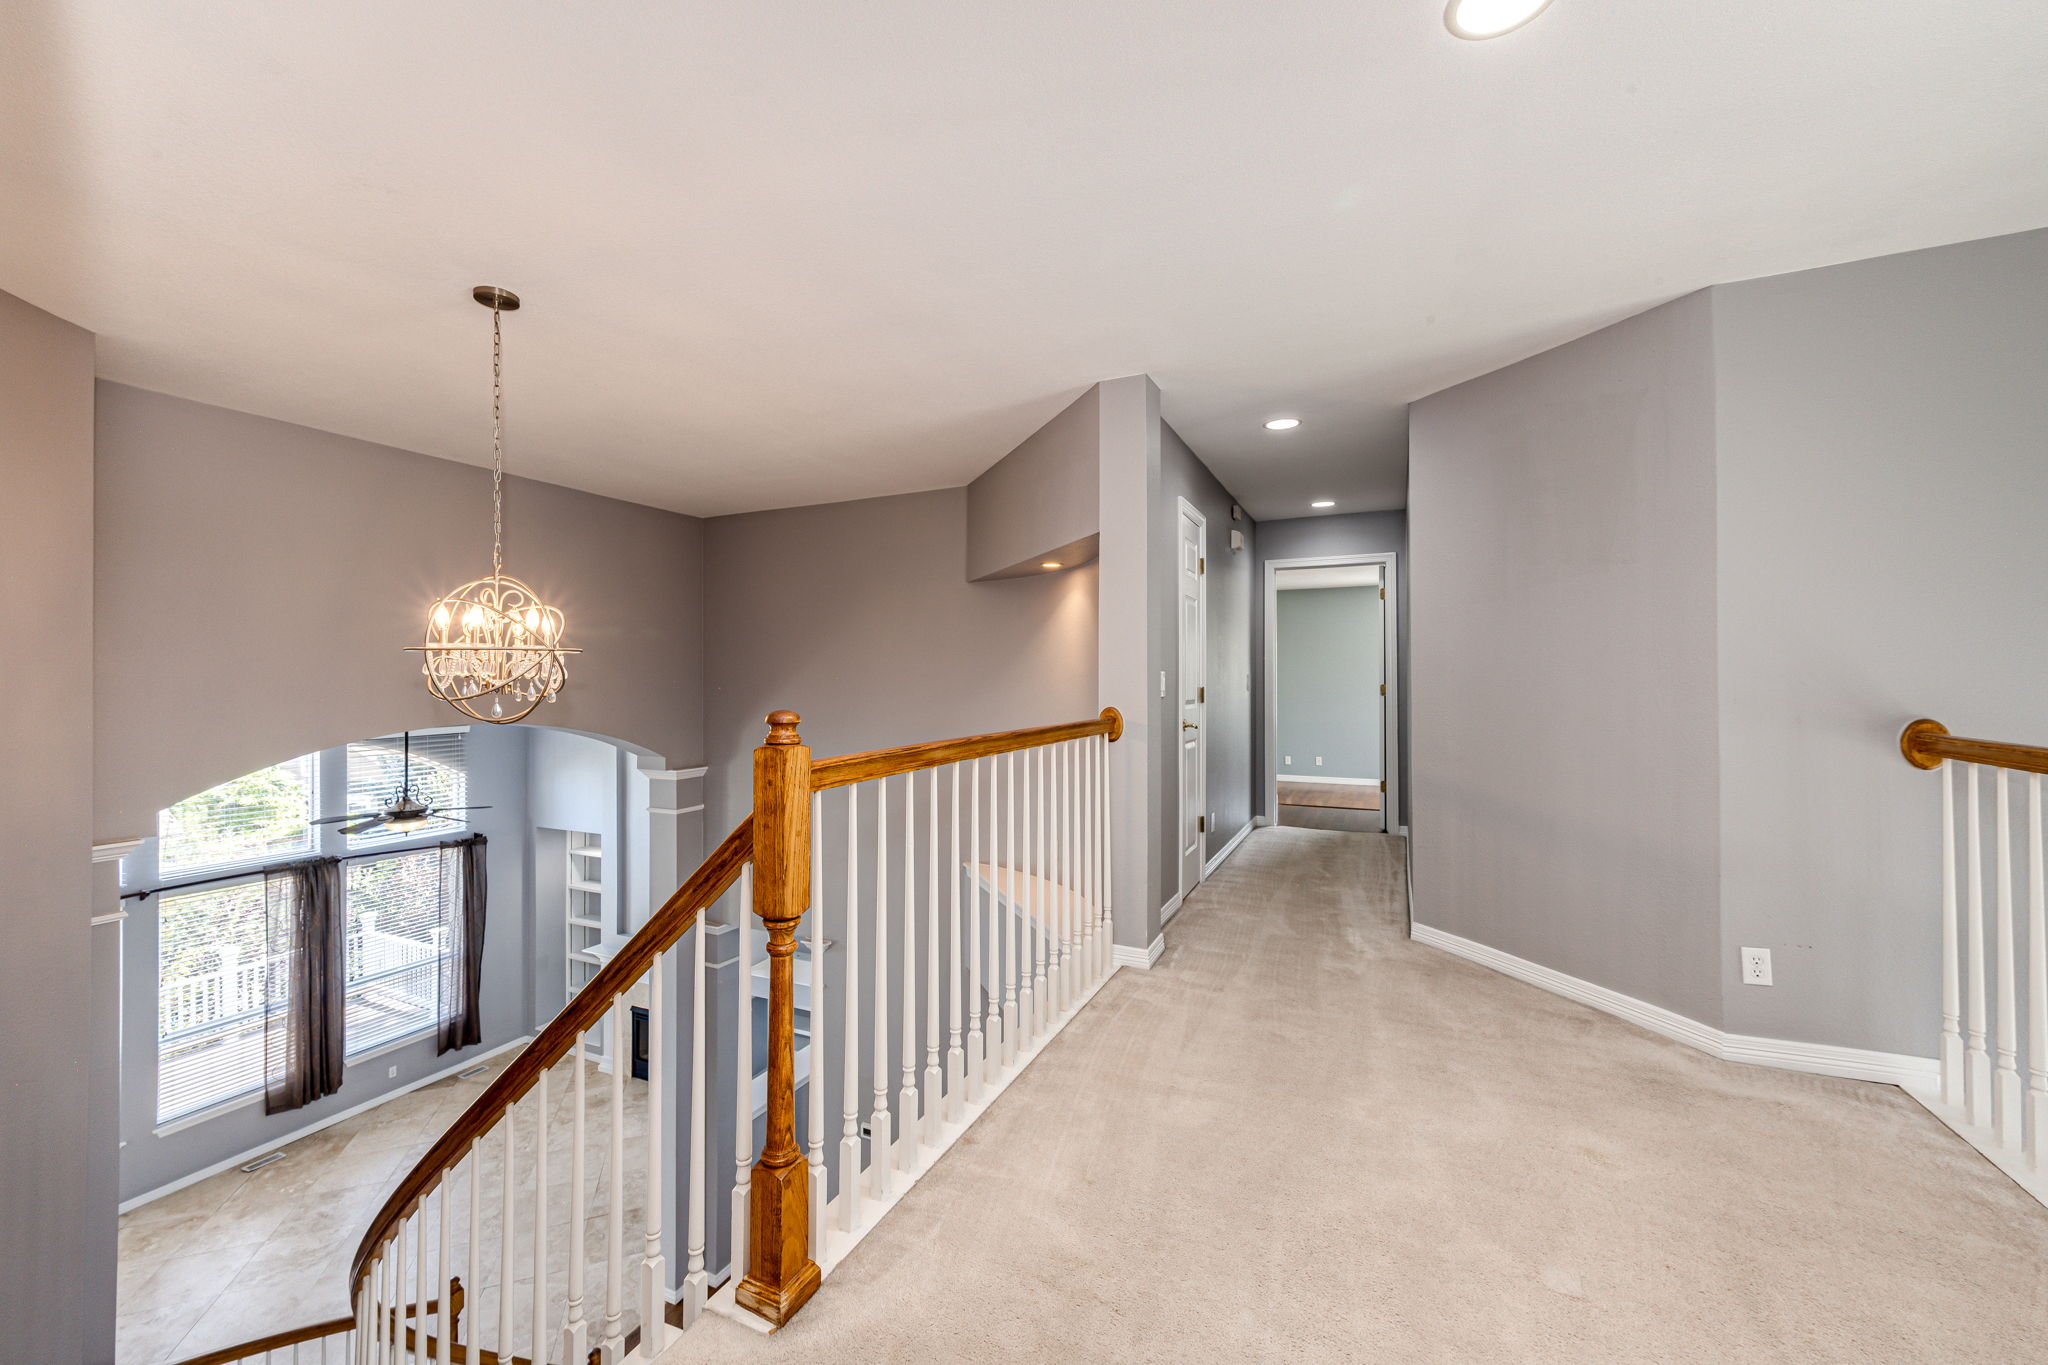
[952, 900]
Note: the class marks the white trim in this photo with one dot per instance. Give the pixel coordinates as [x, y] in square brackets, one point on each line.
[674, 774]
[114, 850]
[1186, 512]
[674, 810]
[1227, 849]
[1313, 779]
[1172, 907]
[1396, 803]
[1141, 958]
[1821, 1059]
[111, 917]
[273, 1144]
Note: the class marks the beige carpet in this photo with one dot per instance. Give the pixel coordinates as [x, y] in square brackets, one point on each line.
[1303, 1138]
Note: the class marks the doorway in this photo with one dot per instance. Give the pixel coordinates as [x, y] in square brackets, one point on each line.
[1331, 722]
[1194, 695]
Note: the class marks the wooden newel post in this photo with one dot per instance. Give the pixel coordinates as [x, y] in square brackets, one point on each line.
[780, 1272]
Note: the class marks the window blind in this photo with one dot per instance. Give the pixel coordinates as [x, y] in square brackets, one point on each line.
[397, 933]
[211, 965]
[376, 771]
[258, 817]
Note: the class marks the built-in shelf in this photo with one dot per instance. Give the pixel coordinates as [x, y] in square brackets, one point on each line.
[583, 912]
[594, 887]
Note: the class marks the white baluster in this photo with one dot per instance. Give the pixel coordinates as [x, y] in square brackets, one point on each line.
[1027, 909]
[743, 1087]
[505, 1229]
[1013, 912]
[2037, 986]
[441, 1263]
[615, 1164]
[932, 1075]
[575, 1326]
[419, 1289]
[696, 1280]
[882, 1145]
[849, 1043]
[398, 1349]
[1055, 875]
[1952, 1068]
[815, 1121]
[373, 1290]
[2005, 1084]
[1977, 1087]
[472, 1258]
[1068, 993]
[956, 1050]
[1041, 889]
[653, 1259]
[976, 1068]
[907, 1118]
[1108, 862]
[540, 1217]
[1095, 937]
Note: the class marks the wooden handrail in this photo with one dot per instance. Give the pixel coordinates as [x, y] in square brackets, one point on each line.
[584, 1010]
[227, 1355]
[1926, 743]
[850, 768]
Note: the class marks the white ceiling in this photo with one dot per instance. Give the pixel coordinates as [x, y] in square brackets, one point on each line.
[781, 253]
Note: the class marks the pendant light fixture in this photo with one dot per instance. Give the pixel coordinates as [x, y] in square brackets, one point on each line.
[493, 648]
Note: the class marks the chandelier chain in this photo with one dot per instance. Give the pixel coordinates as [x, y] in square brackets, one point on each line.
[497, 446]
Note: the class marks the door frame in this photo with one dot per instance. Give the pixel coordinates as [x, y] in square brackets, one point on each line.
[1394, 809]
[1187, 510]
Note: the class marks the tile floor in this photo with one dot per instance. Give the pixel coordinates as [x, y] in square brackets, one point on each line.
[238, 1256]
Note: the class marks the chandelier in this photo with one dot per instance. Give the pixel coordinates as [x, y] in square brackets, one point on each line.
[493, 648]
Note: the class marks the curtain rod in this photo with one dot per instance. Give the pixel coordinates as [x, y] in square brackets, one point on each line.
[269, 868]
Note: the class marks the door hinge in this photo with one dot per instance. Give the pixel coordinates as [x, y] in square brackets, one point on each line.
[1201, 824]
[1383, 784]
[1383, 594]
[1201, 694]
[1201, 564]
[1383, 689]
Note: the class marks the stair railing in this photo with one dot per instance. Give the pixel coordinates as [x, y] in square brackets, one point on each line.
[1018, 909]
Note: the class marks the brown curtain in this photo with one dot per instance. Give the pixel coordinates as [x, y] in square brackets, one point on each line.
[305, 984]
[463, 894]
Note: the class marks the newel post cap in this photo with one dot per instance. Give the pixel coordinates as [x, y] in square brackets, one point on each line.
[1116, 723]
[1910, 740]
[782, 727]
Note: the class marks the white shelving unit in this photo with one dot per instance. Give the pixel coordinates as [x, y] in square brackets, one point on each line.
[584, 919]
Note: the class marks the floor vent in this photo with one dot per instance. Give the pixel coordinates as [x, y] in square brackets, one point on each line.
[473, 1071]
[260, 1162]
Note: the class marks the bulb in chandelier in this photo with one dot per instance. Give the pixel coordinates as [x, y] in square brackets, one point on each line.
[441, 617]
[532, 620]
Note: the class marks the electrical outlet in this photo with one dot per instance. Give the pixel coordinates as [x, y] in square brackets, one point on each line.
[1162, 682]
[1756, 966]
[392, 1074]
[1289, 760]
[1319, 760]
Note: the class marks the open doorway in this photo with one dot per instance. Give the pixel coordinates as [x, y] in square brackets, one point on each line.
[1330, 697]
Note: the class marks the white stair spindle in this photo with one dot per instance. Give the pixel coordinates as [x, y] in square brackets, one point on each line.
[956, 1048]
[472, 1257]
[882, 1145]
[1097, 949]
[2037, 987]
[1068, 994]
[2005, 1083]
[815, 1119]
[743, 1081]
[1041, 886]
[1108, 906]
[540, 1217]
[1027, 909]
[506, 1224]
[419, 1275]
[1056, 892]
[575, 1327]
[696, 1280]
[445, 1291]
[1012, 905]
[653, 1259]
[615, 1219]
[976, 1072]
[398, 1351]
[932, 1076]
[1977, 1086]
[849, 1043]
[1951, 949]
[907, 1118]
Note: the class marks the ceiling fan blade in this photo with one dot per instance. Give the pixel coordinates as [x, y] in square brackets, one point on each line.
[365, 826]
[352, 815]
[443, 810]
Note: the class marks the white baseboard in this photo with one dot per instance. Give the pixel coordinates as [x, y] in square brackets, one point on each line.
[1171, 908]
[1851, 1063]
[1261, 820]
[1227, 849]
[241, 1158]
[1141, 958]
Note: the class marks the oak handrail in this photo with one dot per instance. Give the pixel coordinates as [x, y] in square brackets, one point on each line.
[1926, 743]
[585, 1009]
[850, 768]
[227, 1355]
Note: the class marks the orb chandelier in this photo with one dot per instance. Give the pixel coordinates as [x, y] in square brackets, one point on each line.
[493, 648]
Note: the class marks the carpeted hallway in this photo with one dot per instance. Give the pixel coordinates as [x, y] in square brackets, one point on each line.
[1302, 1137]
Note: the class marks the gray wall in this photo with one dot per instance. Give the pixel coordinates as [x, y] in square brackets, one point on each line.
[1038, 501]
[1564, 703]
[1327, 701]
[1134, 634]
[260, 582]
[1350, 533]
[1232, 576]
[1883, 473]
[56, 1281]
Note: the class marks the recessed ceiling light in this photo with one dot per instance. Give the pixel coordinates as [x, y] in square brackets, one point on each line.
[1283, 424]
[1323, 503]
[1052, 564]
[1477, 19]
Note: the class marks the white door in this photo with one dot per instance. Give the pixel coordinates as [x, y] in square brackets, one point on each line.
[1194, 657]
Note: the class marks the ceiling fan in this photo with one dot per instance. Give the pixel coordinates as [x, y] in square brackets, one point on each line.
[404, 812]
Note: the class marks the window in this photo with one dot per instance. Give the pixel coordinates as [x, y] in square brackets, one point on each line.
[397, 936]
[376, 773]
[258, 817]
[211, 961]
